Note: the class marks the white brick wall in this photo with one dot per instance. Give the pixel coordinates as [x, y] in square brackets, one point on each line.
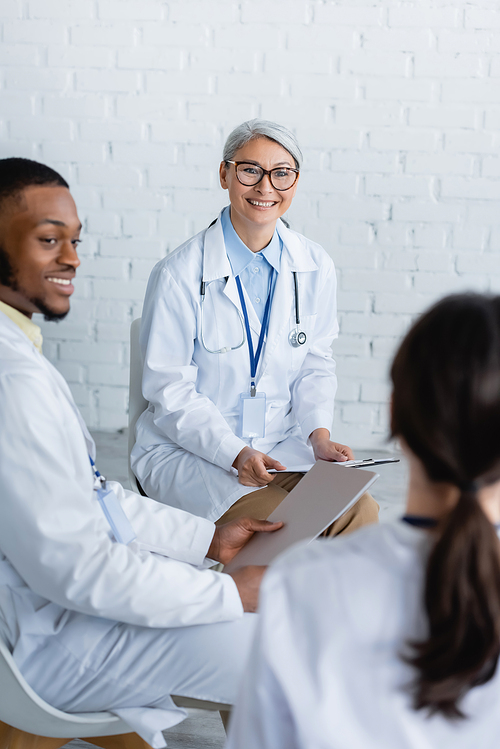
[396, 105]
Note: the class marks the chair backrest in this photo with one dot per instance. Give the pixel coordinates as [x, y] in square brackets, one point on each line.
[136, 404]
[22, 708]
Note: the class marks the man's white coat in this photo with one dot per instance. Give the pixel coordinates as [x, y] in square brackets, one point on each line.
[57, 556]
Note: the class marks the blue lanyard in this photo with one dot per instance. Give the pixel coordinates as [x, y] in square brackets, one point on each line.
[113, 511]
[96, 472]
[420, 521]
[254, 358]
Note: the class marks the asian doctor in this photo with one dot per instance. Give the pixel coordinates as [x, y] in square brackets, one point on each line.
[236, 340]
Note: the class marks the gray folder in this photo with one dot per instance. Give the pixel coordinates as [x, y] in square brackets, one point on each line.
[325, 493]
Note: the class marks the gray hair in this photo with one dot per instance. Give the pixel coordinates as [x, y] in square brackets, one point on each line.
[253, 129]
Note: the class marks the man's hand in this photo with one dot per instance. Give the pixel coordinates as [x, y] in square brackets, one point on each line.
[248, 580]
[252, 467]
[325, 449]
[231, 537]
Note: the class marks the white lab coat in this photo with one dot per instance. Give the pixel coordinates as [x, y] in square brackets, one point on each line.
[57, 557]
[325, 671]
[186, 441]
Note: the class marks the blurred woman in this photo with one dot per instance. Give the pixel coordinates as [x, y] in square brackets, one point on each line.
[236, 340]
[390, 637]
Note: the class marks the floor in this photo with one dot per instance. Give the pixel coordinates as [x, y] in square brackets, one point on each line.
[204, 730]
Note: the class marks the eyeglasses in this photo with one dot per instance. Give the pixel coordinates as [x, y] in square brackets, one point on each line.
[282, 178]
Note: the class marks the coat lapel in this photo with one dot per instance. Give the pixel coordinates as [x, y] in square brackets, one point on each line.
[231, 291]
[20, 341]
[280, 312]
[64, 387]
[216, 265]
[295, 256]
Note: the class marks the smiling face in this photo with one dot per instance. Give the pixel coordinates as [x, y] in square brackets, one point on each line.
[39, 233]
[256, 209]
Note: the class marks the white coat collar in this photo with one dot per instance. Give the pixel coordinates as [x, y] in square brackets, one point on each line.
[26, 324]
[17, 338]
[295, 256]
[299, 254]
[215, 260]
[216, 263]
[18, 341]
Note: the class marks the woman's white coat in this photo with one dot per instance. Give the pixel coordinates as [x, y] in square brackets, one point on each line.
[327, 668]
[186, 441]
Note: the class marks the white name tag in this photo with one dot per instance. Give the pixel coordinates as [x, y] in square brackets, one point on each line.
[120, 524]
[252, 415]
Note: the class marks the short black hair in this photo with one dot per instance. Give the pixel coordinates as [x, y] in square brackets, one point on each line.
[16, 174]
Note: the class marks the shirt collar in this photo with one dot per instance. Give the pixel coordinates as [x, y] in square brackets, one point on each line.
[240, 256]
[28, 327]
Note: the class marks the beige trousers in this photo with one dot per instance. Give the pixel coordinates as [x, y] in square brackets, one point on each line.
[260, 504]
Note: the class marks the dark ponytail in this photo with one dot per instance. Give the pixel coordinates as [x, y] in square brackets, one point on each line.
[446, 406]
[462, 600]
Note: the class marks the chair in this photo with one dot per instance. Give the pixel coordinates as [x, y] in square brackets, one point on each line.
[28, 722]
[137, 404]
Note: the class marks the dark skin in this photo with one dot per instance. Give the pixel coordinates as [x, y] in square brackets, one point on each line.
[39, 234]
[228, 540]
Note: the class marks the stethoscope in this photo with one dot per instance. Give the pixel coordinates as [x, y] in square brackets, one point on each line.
[296, 338]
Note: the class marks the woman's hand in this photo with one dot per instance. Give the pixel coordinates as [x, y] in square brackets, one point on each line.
[325, 449]
[252, 467]
[231, 537]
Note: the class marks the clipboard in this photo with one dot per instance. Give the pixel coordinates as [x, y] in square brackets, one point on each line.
[325, 493]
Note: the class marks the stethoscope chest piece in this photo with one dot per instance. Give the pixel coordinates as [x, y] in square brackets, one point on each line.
[297, 338]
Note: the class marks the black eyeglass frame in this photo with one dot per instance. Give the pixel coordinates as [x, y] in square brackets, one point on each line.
[264, 172]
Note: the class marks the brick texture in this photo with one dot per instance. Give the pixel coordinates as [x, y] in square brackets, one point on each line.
[397, 108]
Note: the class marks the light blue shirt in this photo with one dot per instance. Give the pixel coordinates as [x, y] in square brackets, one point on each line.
[253, 268]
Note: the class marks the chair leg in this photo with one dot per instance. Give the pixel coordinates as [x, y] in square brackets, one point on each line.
[225, 716]
[120, 741]
[13, 738]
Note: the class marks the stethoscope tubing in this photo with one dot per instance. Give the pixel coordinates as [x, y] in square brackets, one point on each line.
[297, 337]
[296, 291]
[226, 349]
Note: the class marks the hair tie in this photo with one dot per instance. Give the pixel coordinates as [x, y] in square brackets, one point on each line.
[469, 487]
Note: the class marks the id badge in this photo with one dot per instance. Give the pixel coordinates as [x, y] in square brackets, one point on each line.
[119, 522]
[252, 415]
